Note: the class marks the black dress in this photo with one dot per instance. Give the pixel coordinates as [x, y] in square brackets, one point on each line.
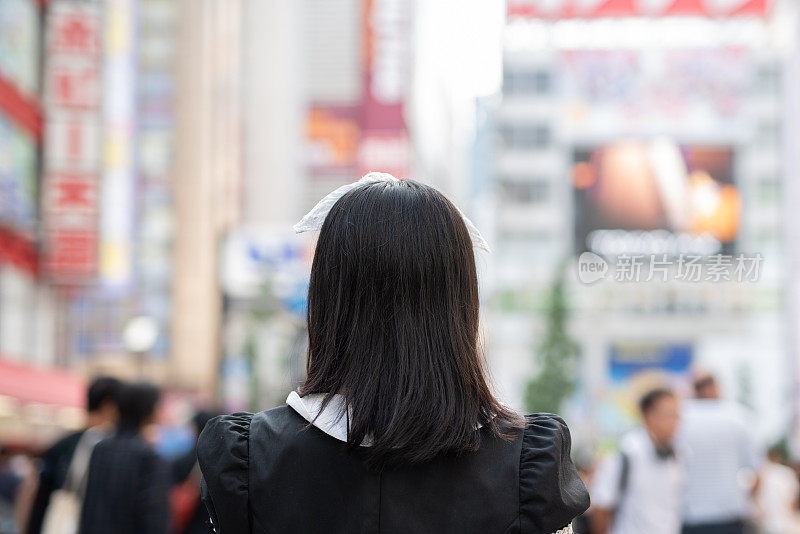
[272, 472]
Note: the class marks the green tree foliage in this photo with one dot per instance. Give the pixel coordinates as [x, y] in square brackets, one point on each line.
[556, 356]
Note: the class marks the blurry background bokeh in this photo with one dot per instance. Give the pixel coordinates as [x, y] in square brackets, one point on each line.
[154, 155]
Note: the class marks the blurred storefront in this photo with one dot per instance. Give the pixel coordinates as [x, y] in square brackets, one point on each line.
[656, 132]
[86, 107]
[35, 398]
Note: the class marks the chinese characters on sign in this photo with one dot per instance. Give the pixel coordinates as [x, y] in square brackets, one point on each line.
[71, 146]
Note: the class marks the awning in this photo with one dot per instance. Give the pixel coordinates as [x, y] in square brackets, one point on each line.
[41, 385]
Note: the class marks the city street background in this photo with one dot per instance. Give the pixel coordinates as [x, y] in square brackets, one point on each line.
[154, 155]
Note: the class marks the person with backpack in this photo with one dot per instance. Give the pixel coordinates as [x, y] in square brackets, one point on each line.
[64, 466]
[640, 489]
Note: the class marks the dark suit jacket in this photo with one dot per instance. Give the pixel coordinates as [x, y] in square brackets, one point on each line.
[127, 491]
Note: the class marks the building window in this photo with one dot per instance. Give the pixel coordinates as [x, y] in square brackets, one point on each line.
[768, 133]
[525, 136]
[526, 82]
[523, 192]
[767, 79]
[768, 191]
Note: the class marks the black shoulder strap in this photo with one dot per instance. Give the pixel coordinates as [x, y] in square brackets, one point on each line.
[622, 483]
[624, 474]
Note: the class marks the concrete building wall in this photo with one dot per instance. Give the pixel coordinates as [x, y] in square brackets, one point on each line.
[207, 180]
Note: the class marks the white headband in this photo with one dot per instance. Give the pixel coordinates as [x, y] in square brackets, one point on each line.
[313, 219]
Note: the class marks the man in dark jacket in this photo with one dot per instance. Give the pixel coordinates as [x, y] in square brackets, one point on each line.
[127, 491]
[101, 415]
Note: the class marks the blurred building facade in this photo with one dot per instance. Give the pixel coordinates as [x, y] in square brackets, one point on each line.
[87, 201]
[34, 398]
[325, 88]
[156, 153]
[677, 88]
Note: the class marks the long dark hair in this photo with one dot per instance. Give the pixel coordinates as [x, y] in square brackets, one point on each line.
[393, 325]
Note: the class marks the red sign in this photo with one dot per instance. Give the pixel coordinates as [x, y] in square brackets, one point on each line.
[72, 254]
[559, 9]
[74, 28]
[72, 141]
[74, 87]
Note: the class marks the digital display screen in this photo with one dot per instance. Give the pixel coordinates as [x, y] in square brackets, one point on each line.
[651, 197]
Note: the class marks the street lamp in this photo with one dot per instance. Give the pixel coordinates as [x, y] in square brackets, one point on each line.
[139, 337]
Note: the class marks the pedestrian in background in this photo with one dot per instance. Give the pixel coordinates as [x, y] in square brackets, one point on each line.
[127, 490]
[17, 484]
[722, 462]
[640, 489]
[396, 428]
[777, 496]
[57, 462]
[189, 515]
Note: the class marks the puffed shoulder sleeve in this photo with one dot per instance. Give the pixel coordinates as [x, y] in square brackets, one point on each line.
[223, 452]
[551, 491]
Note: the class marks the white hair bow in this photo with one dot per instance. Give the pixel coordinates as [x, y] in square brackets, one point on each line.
[314, 219]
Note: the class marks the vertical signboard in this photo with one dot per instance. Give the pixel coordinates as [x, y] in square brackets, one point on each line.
[385, 144]
[70, 196]
[119, 108]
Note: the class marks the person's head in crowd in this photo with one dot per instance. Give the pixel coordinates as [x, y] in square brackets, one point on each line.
[393, 324]
[101, 400]
[137, 406]
[777, 454]
[201, 418]
[659, 409]
[705, 386]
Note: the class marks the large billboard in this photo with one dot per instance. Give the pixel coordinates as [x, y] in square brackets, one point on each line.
[697, 92]
[636, 8]
[648, 197]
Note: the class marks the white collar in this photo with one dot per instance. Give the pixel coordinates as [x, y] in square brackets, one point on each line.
[331, 420]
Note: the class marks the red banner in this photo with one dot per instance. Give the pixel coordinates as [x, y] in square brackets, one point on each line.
[72, 145]
[559, 9]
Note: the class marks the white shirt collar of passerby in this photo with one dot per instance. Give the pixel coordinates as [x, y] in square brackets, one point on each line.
[652, 498]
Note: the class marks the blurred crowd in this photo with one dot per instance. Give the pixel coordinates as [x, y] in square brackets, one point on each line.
[692, 467]
[108, 474]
